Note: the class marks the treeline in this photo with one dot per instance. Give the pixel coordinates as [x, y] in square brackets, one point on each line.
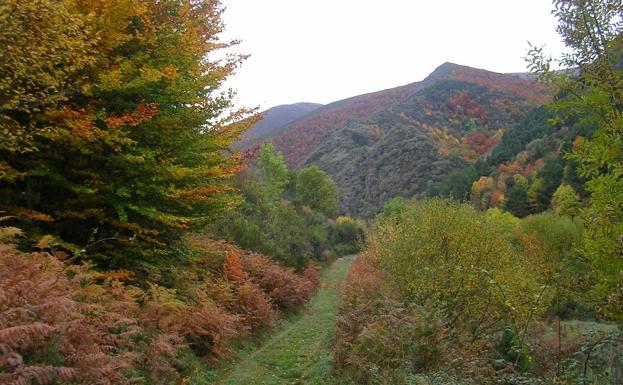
[116, 172]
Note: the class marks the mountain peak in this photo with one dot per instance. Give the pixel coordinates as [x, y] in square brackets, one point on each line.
[443, 71]
[448, 69]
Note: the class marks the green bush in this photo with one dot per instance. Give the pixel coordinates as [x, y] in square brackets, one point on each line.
[450, 255]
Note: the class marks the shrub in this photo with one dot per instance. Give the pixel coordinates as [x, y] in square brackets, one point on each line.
[448, 255]
[64, 323]
[286, 289]
[346, 235]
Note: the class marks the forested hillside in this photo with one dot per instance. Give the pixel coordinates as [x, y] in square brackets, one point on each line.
[396, 142]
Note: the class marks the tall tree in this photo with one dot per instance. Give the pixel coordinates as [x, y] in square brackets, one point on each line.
[135, 150]
[274, 170]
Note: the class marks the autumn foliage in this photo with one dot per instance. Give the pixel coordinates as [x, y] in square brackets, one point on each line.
[115, 131]
[68, 323]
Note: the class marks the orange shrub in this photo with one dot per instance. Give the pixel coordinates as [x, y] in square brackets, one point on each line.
[287, 290]
[255, 307]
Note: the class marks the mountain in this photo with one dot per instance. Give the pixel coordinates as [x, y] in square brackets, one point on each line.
[273, 120]
[399, 141]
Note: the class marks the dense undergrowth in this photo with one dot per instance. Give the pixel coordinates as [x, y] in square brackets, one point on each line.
[445, 294]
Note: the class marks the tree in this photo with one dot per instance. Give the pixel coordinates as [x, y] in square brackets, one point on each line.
[517, 200]
[503, 220]
[481, 192]
[274, 169]
[131, 148]
[566, 201]
[592, 91]
[46, 50]
[314, 188]
[457, 185]
[537, 196]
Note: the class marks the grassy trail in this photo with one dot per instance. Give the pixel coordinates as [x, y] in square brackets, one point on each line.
[300, 352]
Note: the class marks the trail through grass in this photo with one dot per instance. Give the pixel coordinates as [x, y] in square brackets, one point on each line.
[300, 353]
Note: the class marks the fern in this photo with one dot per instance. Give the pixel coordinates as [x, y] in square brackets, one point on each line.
[8, 234]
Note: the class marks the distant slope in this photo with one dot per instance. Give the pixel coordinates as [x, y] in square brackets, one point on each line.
[398, 141]
[273, 119]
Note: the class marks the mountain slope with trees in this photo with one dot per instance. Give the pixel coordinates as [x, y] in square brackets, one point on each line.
[396, 142]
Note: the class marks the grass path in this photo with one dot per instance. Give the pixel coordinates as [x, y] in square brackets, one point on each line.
[300, 352]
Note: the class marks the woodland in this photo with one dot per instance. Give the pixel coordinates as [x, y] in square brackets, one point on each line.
[465, 229]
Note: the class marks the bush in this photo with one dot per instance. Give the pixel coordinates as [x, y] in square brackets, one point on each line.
[447, 254]
[46, 335]
[346, 235]
[287, 290]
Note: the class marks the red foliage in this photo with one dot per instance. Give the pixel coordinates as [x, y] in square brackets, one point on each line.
[497, 198]
[362, 283]
[533, 91]
[286, 289]
[469, 106]
[305, 135]
[232, 266]
[256, 307]
[479, 142]
[98, 326]
[143, 113]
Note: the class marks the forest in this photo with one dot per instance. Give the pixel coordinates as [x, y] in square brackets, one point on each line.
[465, 229]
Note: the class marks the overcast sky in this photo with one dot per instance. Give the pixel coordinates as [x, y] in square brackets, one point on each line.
[326, 50]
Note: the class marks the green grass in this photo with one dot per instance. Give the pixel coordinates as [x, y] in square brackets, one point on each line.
[300, 352]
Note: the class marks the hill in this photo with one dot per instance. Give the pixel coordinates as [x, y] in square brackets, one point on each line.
[273, 119]
[398, 141]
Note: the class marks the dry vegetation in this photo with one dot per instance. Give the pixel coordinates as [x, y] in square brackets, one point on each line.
[70, 323]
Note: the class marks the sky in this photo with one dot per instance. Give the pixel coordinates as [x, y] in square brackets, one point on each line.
[326, 50]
